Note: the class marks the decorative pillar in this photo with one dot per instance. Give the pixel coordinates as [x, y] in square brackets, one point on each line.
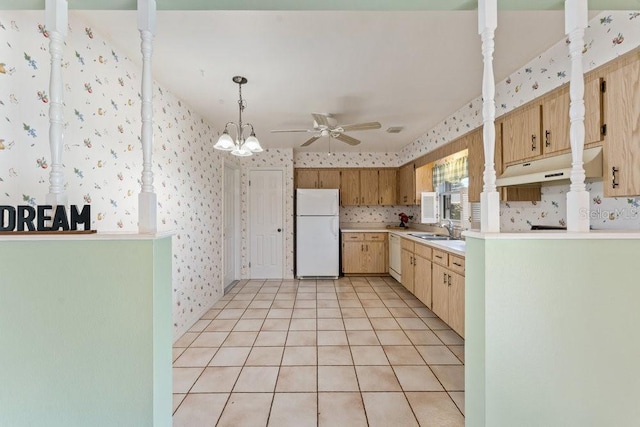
[147, 199]
[489, 198]
[576, 20]
[56, 22]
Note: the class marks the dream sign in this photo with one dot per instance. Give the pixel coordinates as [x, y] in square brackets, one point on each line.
[44, 218]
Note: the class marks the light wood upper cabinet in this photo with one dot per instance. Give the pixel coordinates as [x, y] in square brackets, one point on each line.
[406, 185]
[329, 178]
[521, 132]
[368, 187]
[387, 185]
[314, 178]
[424, 180]
[475, 149]
[622, 118]
[555, 120]
[594, 108]
[350, 187]
[306, 178]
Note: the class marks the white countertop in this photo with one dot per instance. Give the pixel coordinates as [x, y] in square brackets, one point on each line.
[456, 247]
[556, 235]
[110, 235]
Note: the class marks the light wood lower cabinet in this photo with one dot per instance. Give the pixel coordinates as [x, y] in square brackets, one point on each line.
[416, 270]
[448, 290]
[423, 280]
[364, 253]
[408, 276]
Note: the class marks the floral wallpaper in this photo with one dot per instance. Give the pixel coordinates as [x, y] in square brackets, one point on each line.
[609, 35]
[378, 214]
[102, 156]
[268, 159]
[605, 213]
[346, 160]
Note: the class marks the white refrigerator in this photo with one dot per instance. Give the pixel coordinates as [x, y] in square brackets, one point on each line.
[317, 233]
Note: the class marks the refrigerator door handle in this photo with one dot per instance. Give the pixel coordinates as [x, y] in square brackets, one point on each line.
[335, 227]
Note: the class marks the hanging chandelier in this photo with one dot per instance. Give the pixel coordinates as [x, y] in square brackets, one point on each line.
[241, 146]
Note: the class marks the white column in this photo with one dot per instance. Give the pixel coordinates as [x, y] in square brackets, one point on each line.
[147, 199]
[578, 197]
[56, 22]
[489, 198]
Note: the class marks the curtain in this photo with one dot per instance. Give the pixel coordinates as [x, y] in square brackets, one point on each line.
[454, 171]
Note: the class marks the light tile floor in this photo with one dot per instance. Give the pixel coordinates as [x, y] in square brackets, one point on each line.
[359, 351]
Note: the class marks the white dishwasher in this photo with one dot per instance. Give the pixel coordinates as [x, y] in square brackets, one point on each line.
[395, 257]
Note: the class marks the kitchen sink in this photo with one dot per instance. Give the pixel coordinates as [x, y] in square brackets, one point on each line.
[431, 236]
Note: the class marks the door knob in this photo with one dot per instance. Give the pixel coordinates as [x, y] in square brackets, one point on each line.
[279, 230]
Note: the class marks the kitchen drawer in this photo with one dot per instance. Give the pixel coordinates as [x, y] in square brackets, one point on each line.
[352, 237]
[441, 257]
[375, 237]
[456, 264]
[408, 244]
[423, 250]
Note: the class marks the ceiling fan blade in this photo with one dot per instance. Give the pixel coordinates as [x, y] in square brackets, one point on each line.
[291, 130]
[361, 126]
[348, 139]
[321, 119]
[310, 141]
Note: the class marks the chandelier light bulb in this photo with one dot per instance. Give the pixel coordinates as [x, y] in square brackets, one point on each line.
[252, 144]
[239, 147]
[225, 142]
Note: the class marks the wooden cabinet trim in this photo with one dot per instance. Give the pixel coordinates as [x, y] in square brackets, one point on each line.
[423, 250]
[407, 244]
[353, 236]
[370, 237]
[441, 257]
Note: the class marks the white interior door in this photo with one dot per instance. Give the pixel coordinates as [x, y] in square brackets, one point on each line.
[266, 201]
[230, 231]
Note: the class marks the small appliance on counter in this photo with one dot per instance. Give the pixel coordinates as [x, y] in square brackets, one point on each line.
[536, 227]
[317, 233]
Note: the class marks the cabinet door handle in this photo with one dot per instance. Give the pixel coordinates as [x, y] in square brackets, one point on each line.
[438, 256]
[614, 177]
[367, 246]
[533, 143]
[547, 138]
[449, 276]
[457, 265]
[362, 247]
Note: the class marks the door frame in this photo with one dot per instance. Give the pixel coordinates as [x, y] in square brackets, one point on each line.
[282, 170]
[236, 223]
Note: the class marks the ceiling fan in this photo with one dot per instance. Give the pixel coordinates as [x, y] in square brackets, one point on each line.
[324, 125]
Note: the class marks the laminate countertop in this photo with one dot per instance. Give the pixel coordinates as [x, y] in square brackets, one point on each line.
[456, 247]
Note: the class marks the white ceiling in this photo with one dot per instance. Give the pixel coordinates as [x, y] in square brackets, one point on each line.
[409, 69]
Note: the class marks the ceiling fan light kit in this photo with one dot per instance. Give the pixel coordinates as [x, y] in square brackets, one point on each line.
[323, 127]
[240, 147]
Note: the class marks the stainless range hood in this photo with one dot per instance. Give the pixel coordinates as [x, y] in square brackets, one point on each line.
[551, 169]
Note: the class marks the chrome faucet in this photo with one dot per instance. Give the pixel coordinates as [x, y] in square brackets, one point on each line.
[448, 224]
